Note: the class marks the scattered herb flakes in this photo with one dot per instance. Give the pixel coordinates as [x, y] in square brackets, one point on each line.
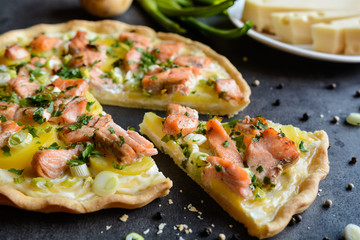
[121, 140]
[83, 119]
[3, 118]
[222, 94]
[218, 168]
[301, 147]
[266, 180]
[226, 143]
[6, 151]
[119, 166]
[111, 129]
[89, 105]
[16, 171]
[260, 169]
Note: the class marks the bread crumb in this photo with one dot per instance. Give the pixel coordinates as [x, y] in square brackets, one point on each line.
[180, 190]
[161, 227]
[230, 226]
[124, 218]
[108, 227]
[159, 205]
[256, 83]
[221, 236]
[202, 201]
[245, 59]
[171, 201]
[146, 231]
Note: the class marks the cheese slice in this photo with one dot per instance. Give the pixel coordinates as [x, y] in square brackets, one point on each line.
[338, 37]
[295, 27]
[259, 11]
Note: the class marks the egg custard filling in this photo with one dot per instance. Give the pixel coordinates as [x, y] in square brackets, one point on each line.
[260, 172]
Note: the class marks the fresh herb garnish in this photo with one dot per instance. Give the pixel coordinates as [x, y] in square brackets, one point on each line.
[68, 73]
[38, 115]
[89, 105]
[122, 140]
[118, 166]
[222, 94]
[301, 147]
[111, 129]
[6, 151]
[281, 134]
[84, 157]
[83, 119]
[266, 180]
[16, 171]
[3, 118]
[218, 168]
[225, 143]
[260, 169]
[34, 130]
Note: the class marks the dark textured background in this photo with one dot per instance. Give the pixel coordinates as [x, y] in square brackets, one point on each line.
[305, 90]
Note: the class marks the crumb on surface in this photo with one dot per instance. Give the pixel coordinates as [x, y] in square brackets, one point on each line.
[146, 231]
[161, 228]
[124, 218]
[256, 83]
[171, 201]
[108, 227]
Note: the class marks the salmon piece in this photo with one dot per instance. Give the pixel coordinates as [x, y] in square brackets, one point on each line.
[97, 82]
[51, 163]
[175, 124]
[234, 176]
[221, 144]
[15, 52]
[173, 80]
[174, 108]
[38, 60]
[196, 63]
[69, 109]
[140, 139]
[78, 43]
[8, 110]
[43, 43]
[23, 87]
[167, 50]
[135, 38]
[250, 126]
[6, 130]
[88, 58]
[272, 153]
[86, 132]
[138, 147]
[133, 57]
[228, 89]
[71, 87]
[26, 115]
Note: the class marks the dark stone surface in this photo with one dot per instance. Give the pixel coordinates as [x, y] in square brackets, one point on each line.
[305, 90]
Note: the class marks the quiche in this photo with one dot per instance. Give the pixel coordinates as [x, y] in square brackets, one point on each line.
[60, 152]
[260, 172]
[133, 66]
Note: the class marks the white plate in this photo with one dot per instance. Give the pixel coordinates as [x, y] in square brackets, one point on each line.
[305, 50]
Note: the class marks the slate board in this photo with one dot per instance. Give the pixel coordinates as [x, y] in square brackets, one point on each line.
[305, 90]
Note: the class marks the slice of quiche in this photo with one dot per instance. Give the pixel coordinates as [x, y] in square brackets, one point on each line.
[133, 66]
[260, 172]
[59, 151]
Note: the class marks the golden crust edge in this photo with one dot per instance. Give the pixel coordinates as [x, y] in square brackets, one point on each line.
[12, 197]
[319, 168]
[111, 26]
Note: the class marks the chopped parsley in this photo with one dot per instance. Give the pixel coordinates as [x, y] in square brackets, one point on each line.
[222, 94]
[111, 52]
[34, 131]
[260, 169]
[68, 73]
[218, 168]
[281, 134]
[3, 118]
[122, 140]
[226, 143]
[118, 166]
[54, 145]
[38, 115]
[16, 171]
[95, 62]
[147, 60]
[111, 129]
[266, 180]
[6, 151]
[239, 142]
[84, 157]
[89, 105]
[301, 147]
[83, 119]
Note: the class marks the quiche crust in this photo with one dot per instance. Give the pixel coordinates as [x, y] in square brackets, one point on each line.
[318, 168]
[15, 198]
[112, 27]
